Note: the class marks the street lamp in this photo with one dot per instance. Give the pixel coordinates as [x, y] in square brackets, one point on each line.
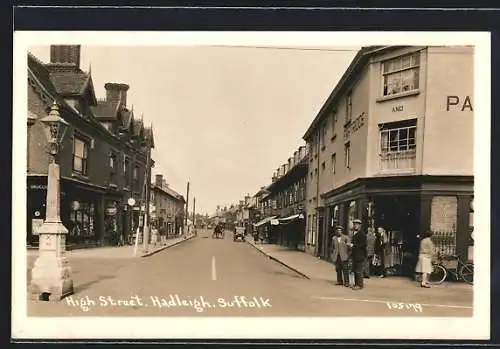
[51, 273]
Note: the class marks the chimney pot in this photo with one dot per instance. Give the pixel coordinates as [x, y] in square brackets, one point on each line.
[159, 180]
[116, 92]
[65, 54]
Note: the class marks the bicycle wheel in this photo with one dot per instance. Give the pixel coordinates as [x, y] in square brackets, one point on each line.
[466, 273]
[438, 275]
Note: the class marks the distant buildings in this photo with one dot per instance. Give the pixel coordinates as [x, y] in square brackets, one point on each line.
[167, 207]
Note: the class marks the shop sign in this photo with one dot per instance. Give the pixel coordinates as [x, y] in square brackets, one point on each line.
[36, 223]
[355, 125]
[136, 208]
[397, 108]
[38, 186]
[462, 104]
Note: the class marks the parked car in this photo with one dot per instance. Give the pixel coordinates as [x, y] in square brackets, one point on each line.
[239, 233]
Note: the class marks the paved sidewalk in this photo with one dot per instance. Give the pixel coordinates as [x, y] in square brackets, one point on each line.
[314, 268]
[118, 252]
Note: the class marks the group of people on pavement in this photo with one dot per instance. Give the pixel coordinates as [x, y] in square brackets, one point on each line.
[361, 254]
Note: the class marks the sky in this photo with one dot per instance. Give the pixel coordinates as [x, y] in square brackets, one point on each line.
[224, 118]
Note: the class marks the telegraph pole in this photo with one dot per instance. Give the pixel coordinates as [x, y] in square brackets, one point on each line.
[187, 209]
[194, 210]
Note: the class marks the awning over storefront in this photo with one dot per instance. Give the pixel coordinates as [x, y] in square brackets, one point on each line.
[264, 221]
[291, 218]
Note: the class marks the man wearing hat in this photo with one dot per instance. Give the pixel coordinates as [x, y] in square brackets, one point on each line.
[358, 248]
[340, 255]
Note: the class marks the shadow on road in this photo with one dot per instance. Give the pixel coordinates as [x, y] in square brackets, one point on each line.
[83, 287]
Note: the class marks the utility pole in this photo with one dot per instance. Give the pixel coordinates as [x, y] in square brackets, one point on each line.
[194, 209]
[187, 209]
[145, 236]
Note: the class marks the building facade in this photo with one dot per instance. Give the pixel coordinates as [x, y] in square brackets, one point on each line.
[167, 207]
[102, 157]
[383, 148]
[284, 203]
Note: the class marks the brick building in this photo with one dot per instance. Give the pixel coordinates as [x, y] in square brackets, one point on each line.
[383, 149]
[167, 207]
[102, 157]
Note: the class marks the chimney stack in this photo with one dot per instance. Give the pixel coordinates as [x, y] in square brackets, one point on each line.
[116, 92]
[159, 180]
[65, 54]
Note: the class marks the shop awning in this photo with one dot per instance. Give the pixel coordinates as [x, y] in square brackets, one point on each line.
[291, 218]
[264, 221]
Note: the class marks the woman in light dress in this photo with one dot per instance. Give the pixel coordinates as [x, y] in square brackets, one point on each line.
[425, 256]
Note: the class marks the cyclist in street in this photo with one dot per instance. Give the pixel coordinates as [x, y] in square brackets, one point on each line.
[425, 256]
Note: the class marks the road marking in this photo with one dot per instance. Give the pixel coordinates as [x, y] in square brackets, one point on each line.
[387, 301]
[214, 273]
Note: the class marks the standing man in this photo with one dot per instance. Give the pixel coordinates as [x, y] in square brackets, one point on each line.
[340, 256]
[370, 251]
[358, 245]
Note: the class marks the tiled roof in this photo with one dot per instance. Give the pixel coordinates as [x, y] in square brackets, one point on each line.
[70, 83]
[104, 110]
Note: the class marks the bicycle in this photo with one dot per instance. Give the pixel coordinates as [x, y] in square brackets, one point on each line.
[459, 270]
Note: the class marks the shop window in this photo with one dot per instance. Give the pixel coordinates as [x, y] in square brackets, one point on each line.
[80, 155]
[401, 74]
[82, 219]
[348, 107]
[347, 154]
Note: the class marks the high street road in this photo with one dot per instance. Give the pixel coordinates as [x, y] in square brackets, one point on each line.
[219, 277]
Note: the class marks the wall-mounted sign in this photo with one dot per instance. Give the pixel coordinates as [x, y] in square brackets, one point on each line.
[397, 108]
[455, 103]
[38, 186]
[355, 125]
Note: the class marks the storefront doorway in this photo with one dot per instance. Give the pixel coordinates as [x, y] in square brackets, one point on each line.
[400, 217]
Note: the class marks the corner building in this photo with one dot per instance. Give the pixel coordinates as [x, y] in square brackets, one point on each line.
[393, 145]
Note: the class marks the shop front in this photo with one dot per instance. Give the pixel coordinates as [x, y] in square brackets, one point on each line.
[81, 211]
[292, 230]
[405, 207]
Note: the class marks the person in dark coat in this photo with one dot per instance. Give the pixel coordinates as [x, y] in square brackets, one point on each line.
[340, 256]
[358, 252]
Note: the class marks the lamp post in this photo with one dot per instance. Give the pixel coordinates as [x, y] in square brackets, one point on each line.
[51, 273]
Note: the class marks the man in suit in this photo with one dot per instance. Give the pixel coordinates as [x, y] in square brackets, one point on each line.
[340, 256]
[358, 248]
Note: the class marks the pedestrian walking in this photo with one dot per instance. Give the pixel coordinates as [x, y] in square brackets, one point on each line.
[358, 248]
[425, 256]
[370, 251]
[340, 256]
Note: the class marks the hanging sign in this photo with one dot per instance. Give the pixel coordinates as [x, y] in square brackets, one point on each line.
[131, 201]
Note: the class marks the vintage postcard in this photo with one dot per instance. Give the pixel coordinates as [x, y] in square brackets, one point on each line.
[251, 185]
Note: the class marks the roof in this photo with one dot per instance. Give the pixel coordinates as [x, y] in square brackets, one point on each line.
[356, 66]
[70, 80]
[169, 191]
[104, 110]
